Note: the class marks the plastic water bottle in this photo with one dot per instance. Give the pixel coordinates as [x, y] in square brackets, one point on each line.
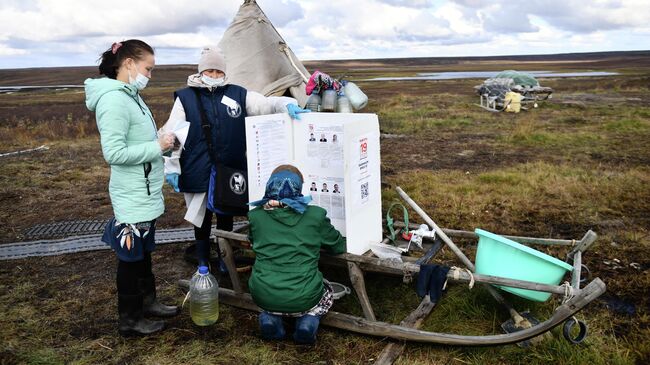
[204, 298]
[329, 101]
[343, 104]
[313, 102]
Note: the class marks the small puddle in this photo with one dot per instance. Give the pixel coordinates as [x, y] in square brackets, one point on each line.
[619, 306]
[487, 75]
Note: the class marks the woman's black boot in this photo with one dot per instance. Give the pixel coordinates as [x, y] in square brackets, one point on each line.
[132, 322]
[152, 307]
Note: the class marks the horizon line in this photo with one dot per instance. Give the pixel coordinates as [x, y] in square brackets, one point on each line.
[387, 58]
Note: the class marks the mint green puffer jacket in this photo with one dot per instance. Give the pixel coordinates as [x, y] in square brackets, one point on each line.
[129, 141]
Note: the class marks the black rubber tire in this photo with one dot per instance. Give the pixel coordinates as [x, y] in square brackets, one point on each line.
[568, 326]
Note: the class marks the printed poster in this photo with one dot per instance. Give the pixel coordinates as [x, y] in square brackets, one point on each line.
[365, 159]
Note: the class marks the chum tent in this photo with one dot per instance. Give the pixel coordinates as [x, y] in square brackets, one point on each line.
[258, 59]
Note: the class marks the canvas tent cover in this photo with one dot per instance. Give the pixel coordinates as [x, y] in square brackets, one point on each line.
[258, 59]
[519, 78]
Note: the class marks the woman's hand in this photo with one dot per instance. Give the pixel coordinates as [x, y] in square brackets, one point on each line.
[177, 144]
[166, 141]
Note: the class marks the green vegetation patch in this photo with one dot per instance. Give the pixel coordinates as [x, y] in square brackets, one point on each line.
[628, 125]
[531, 198]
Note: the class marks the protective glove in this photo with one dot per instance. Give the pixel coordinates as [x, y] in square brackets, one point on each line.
[294, 110]
[172, 180]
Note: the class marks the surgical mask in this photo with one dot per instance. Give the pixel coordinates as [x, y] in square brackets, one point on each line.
[140, 81]
[212, 82]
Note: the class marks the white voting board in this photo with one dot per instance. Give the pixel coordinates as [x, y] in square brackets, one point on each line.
[338, 155]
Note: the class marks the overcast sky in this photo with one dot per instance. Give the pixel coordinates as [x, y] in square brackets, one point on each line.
[36, 33]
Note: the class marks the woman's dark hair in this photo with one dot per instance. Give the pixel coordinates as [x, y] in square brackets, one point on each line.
[114, 56]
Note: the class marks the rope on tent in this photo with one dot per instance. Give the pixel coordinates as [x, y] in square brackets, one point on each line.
[285, 49]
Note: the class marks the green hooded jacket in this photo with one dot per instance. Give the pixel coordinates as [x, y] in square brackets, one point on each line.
[287, 246]
[129, 141]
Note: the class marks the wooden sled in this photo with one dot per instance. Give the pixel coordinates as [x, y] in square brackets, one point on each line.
[407, 329]
[530, 96]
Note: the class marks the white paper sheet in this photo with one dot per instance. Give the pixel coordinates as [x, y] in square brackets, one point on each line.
[195, 203]
[342, 178]
[181, 131]
[269, 144]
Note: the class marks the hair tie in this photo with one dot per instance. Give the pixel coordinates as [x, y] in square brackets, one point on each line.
[115, 47]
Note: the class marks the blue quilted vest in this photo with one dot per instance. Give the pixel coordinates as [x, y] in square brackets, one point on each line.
[226, 117]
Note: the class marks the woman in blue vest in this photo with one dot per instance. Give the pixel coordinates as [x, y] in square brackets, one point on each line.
[225, 106]
[133, 149]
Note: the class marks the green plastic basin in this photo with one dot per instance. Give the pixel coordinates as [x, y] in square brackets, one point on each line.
[499, 256]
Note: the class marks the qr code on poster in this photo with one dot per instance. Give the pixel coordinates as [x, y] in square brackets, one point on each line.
[364, 190]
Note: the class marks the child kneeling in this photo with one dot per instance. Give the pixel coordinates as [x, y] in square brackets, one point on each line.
[287, 235]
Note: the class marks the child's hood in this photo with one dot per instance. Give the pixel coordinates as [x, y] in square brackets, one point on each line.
[286, 216]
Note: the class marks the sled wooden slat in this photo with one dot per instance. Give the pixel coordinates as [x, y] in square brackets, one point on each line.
[359, 285]
[586, 242]
[397, 332]
[229, 259]
[393, 350]
[577, 270]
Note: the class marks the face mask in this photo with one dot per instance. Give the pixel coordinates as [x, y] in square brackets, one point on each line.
[212, 82]
[140, 81]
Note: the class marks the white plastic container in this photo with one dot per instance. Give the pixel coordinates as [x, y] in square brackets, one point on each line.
[358, 99]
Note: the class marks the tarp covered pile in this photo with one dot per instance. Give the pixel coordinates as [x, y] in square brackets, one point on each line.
[497, 93]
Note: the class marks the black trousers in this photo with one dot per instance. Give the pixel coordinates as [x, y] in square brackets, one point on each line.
[129, 275]
[224, 222]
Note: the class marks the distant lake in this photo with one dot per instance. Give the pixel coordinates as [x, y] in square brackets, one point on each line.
[420, 76]
[13, 89]
[487, 75]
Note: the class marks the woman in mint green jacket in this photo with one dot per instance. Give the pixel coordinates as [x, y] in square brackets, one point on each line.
[133, 149]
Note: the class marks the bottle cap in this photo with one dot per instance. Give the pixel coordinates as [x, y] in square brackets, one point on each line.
[203, 270]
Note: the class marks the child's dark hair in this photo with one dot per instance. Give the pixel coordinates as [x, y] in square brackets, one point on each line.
[289, 168]
[114, 56]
